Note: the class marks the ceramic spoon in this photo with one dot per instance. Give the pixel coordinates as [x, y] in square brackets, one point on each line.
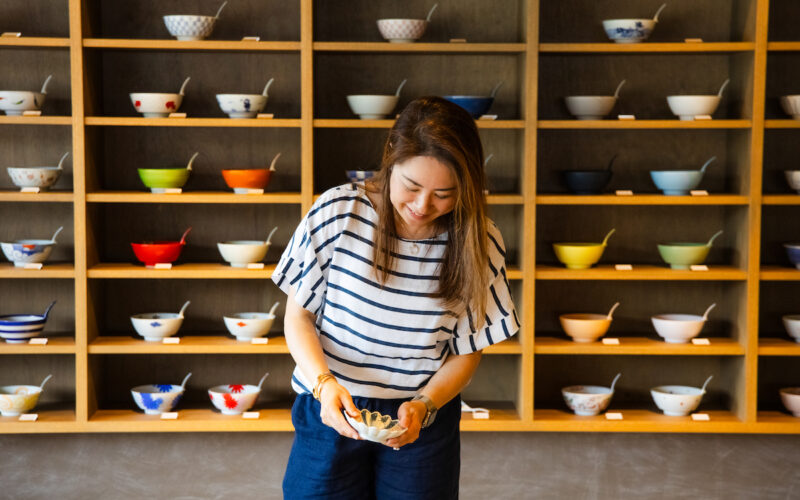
[44, 85]
[705, 315]
[219, 11]
[41, 386]
[725, 84]
[183, 384]
[400, 87]
[613, 308]
[53, 239]
[183, 309]
[605, 240]
[614, 382]
[61, 161]
[274, 160]
[272, 309]
[262, 380]
[269, 238]
[189, 166]
[707, 381]
[487, 159]
[47, 311]
[183, 238]
[183, 87]
[706, 164]
[616, 92]
[713, 237]
[266, 87]
[655, 18]
[430, 13]
[496, 88]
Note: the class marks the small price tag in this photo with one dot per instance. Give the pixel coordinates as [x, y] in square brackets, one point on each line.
[611, 341]
[251, 415]
[702, 117]
[265, 116]
[701, 417]
[626, 117]
[29, 190]
[698, 267]
[171, 340]
[458, 40]
[614, 416]
[480, 415]
[698, 192]
[173, 190]
[254, 191]
[701, 342]
[624, 192]
[255, 265]
[163, 265]
[488, 117]
[11, 34]
[693, 40]
[260, 341]
[251, 39]
[171, 415]
[33, 265]
[177, 115]
[38, 341]
[32, 112]
[623, 267]
[29, 417]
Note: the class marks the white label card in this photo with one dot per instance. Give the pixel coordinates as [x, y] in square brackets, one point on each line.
[177, 115]
[251, 415]
[701, 342]
[610, 341]
[255, 265]
[698, 192]
[32, 112]
[38, 341]
[251, 39]
[480, 415]
[163, 265]
[29, 417]
[12, 34]
[173, 190]
[260, 341]
[623, 267]
[172, 415]
[33, 265]
[614, 416]
[171, 340]
[624, 192]
[458, 40]
[699, 267]
[693, 40]
[254, 191]
[626, 117]
[701, 417]
[488, 117]
[266, 116]
[702, 117]
[29, 190]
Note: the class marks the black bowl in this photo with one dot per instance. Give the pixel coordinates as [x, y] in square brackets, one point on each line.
[587, 181]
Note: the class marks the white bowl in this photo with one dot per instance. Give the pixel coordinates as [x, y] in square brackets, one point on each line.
[233, 399]
[157, 398]
[37, 177]
[402, 30]
[686, 107]
[791, 104]
[156, 104]
[790, 396]
[628, 30]
[375, 427]
[590, 107]
[23, 252]
[156, 326]
[678, 328]
[677, 400]
[189, 27]
[249, 325]
[372, 107]
[792, 324]
[239, 253]
[793, 179]
[242, 105]
[587, 400]
[584, 327]
[18, 399]
[14, 102]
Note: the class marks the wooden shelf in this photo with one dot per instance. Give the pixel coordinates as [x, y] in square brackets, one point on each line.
[771, 346]
[775, 422]
[205, 420]
[210, 45]
[669, 47]
[638, 346]
[780, 199]
[33, 41]
[55, 270]
[514, 273]
[191, 197]
[211, 344]
[640, 273]
[500, 419]
[640, 199]
[45, 197]
[119, 121]
[779, 273]
[505, 199]
[782, 123]
[356, 123]
[644, 124]
[55, 345]
[783, 46]
[510, 346]
[179, 271]
[55, 421]
[432, 48]
[35, 120]
[635, 421]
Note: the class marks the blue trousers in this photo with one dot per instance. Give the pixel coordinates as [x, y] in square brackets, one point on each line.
[325, 465]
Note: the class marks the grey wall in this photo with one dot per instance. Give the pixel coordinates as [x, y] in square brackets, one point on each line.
[494, 465]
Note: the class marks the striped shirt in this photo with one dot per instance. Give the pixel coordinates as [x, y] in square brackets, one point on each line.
[382, 342]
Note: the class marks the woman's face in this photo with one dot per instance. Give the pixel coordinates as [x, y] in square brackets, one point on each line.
[421, 189]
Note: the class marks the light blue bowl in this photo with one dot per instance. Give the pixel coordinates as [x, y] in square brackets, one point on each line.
[676, 182]
[155, 399]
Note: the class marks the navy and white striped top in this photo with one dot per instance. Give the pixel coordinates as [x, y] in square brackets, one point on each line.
[382, 342]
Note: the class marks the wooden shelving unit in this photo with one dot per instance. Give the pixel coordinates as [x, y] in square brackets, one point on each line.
[316, 61]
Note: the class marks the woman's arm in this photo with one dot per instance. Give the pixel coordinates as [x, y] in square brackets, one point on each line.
[303, 343]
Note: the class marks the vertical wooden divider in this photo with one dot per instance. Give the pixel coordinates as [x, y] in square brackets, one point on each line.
[306, 105]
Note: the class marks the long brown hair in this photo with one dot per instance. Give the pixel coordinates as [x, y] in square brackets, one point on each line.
[432, 126]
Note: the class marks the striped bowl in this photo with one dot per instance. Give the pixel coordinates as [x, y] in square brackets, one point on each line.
[17, 328]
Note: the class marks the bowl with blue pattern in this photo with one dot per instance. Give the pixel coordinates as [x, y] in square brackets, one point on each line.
[191, 27]
[155, 327]
[155, 399]
[359, 175]
[18, 328]
[29, 251]
[631, 30]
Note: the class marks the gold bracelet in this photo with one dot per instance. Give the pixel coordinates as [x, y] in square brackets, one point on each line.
[321, 379]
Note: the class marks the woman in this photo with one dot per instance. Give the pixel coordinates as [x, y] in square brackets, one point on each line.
[394, 288]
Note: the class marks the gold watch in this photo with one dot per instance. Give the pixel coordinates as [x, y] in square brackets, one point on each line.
[430, 413]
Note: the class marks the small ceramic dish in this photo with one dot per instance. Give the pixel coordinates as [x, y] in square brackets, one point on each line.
[790, 397]
[683, 255]
[188, 27]
[374, 106]
[240, 253]
[22, 252]
[679, 182]
[247, 326]
[792, 324]
[18, 399]
[235, 399]
[793, 178]
[586, 327]
[155, 399]
[680, 328]
[678, 400]
[791, 105]
[580, 255]
[475, 105]
[359, 175]
[244, 179]
[36, 177]
[16, 102]
[155, 327]
[158, 104]
[592, 107]
[686, 107]
[161, 179]
[793, 252]
[588, 400]
[404, 30]
[244, 105]
[375, 427]
[151, 253]
[588, 181]
[630, 30]
[18, 328]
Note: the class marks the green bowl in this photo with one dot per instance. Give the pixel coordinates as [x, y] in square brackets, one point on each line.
[683, 255]
[159, 179]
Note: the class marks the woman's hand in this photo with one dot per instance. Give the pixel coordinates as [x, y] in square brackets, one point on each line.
[333, 398]
[410, 415]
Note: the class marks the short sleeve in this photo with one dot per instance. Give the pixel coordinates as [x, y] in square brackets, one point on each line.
[501, 320]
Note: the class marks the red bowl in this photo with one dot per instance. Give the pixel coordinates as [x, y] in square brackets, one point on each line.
[157, 252]
[254, 178]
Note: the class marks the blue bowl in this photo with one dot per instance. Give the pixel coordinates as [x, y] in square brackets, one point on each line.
[157, 398]
[793, 252]
[475, 105]
[359, 175]
[676, 182]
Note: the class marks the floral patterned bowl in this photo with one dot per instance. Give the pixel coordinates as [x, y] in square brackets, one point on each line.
[628, 30]
[587, 399]
[15, 102]
[156, 104]
[22, 252]
[155, 399]
[402, 30]
[41, 177]
[249, 325]
[18, 399]
[242, 105]
[376, 427]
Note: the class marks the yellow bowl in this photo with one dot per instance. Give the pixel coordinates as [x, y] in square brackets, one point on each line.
[578, 255]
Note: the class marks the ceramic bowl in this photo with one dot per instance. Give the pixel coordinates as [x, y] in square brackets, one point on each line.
[359, 175]
[683, 255]
[586, 181]
[372, 107]
[677, 400]
[590, 107]
[23, 252]
[242, 105]
[475, 105]
[36, 177]
[790, 397]
[240, 180]
[676, 182]
[678, 328]
[793, 252]
[155, 399]
[234, 399]
[249, 325]
[686, 107]
[18, 328]
[239, 253]
[156, 326]
[587, 400]
[402, 30]
[157, 252]
[189, 27]
[18, 399]
[156, 104]
[160, 179]
[584, 327]
[791, 105]
[628, 30]
[375, 427]
[793, 179]
[15, 102]
[792, 324]
[578, 255]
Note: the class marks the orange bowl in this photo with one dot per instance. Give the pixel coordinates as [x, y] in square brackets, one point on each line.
[253, 178]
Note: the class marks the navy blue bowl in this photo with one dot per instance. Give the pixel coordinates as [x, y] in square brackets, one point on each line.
[587, 181]
[793, 252]
[477, 106]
